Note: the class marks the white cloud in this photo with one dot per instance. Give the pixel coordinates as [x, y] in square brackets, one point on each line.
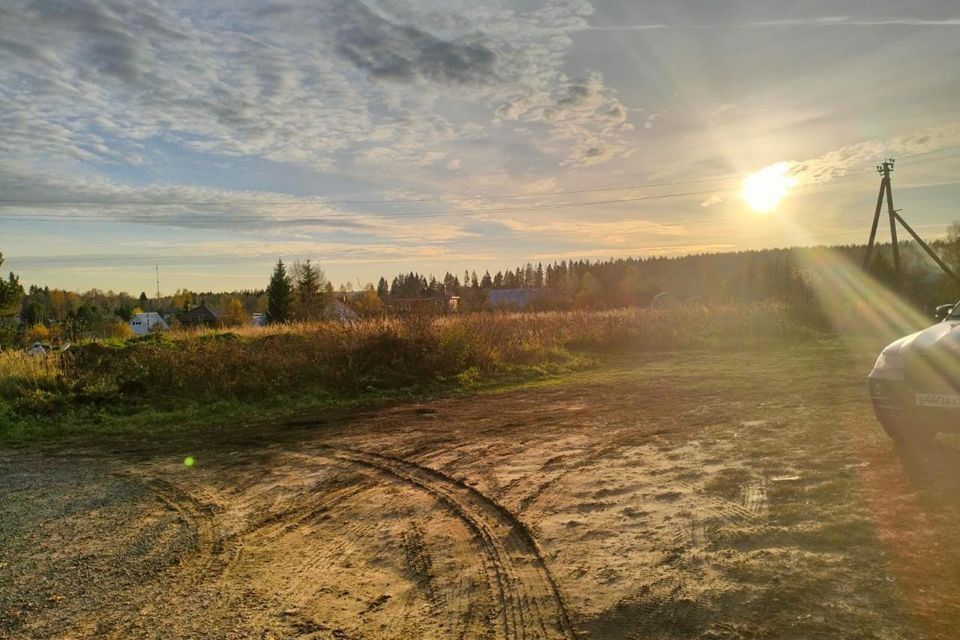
[838, 162]
[614, 232]
[169, 205]
[581, 111]
[102, 81]
[816, 21]
[638, 250]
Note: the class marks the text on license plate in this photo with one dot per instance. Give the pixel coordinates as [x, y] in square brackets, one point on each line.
[941, 400]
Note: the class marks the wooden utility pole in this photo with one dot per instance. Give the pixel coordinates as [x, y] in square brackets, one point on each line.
[886, 193]
[885, 169]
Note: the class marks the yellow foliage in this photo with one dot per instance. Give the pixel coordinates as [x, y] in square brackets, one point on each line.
[36, 333]
[118, 329]
[235, 315]
[368, 303]
[19, 369]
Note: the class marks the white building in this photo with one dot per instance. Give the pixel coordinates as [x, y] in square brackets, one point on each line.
[144, 323]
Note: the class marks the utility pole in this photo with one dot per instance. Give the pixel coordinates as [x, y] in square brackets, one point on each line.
[886, 193]
[885, 170]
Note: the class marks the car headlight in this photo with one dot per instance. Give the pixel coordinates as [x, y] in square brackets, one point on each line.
[889, 366]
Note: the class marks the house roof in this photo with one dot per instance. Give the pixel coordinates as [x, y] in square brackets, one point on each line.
[150, 317]
[200, 312]
[515, 297]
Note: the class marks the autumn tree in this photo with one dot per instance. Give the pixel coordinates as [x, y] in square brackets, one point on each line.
[590, 292]
[234, 315]
[279, 295]
[368, 303]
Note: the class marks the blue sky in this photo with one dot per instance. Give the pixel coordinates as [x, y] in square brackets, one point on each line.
[382, 136]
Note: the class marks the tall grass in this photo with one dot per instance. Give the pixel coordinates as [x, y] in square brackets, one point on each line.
[19, 372]
[382, 354]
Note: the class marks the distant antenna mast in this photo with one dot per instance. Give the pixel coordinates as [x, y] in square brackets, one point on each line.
[158, 282]
[886, 193]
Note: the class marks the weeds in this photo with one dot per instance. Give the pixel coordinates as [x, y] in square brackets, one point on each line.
[21, 372]
[367, 357]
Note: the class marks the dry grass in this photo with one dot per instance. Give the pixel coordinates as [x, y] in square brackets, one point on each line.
[389, 353]
[21, 371]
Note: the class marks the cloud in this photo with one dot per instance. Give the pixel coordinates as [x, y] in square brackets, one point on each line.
[582, 111]
[229, 252]
[841, 161]
[168, 205]
[816, 21]
[714, 199]
[403, 52]
[118, 82]
[649, 121]
[615, 232]
[638, 250]
[863, 156]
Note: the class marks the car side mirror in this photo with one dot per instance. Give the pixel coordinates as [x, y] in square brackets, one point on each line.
[943, 311]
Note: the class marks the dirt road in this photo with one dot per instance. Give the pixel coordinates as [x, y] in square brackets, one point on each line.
[693, 496]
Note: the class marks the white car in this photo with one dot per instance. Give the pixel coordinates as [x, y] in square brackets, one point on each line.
[915, 383]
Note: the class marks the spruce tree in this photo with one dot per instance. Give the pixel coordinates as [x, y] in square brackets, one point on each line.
[10, 293]
[310, 291]
[279, 295]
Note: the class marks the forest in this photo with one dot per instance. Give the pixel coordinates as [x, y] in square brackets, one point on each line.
[303, 293]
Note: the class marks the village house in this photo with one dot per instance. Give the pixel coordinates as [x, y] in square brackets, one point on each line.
[512, 298]
[143, 323]
[432, 304]
[200, 316]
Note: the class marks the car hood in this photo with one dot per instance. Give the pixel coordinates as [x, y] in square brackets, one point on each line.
[944, 337]
[928, 360]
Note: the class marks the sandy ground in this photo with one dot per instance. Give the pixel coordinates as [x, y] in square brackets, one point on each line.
[693, 496]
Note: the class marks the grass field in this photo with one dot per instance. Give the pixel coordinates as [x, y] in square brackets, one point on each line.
[692, 493]
[187, 380]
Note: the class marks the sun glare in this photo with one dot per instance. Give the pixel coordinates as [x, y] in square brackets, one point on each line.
[763, 190]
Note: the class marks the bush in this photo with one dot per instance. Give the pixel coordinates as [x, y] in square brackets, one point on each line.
[36, 333]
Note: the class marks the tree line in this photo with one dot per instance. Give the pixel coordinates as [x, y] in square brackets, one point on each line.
[303, 293]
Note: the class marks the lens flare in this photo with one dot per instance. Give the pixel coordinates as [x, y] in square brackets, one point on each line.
[763, 190]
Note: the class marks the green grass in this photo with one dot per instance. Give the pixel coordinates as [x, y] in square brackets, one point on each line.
[162, 419]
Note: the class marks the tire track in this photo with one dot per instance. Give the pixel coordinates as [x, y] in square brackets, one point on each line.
[529, 600]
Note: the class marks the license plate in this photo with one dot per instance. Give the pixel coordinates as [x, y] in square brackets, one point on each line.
[939, 400]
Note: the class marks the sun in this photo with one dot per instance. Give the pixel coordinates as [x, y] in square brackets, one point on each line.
[763, 190]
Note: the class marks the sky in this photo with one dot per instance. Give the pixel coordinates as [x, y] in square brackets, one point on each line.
[384, 136]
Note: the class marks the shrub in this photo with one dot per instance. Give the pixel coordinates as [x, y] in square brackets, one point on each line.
[36, 333]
